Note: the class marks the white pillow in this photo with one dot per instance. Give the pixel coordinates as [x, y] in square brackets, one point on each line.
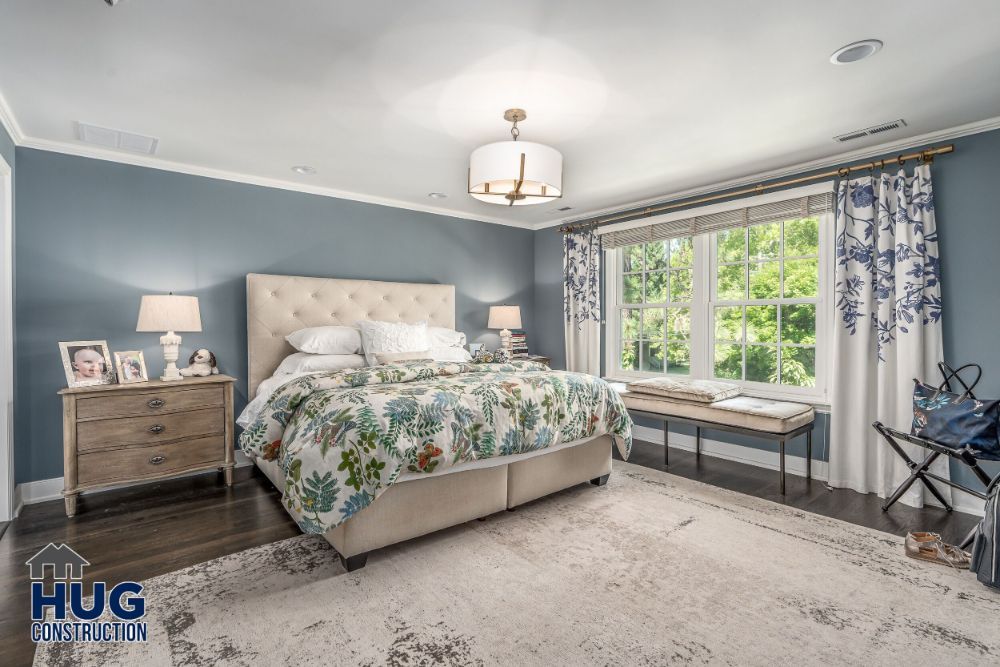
[450, 354]
[393, 357]
[302, 362]
[377, 337]
[326, 340]
[444, 337]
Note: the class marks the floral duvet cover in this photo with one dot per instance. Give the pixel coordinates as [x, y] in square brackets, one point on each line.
[342, 438]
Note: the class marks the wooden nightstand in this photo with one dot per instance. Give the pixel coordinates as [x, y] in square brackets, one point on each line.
[118, 433]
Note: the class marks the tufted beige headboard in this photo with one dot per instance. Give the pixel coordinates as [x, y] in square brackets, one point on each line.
[279, 305]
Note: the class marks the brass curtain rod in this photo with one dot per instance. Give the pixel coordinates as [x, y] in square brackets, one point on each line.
[926, 156]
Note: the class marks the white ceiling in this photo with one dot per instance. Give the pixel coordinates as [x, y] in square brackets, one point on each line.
[387, 99]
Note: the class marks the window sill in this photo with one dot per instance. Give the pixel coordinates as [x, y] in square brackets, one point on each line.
[819, 404]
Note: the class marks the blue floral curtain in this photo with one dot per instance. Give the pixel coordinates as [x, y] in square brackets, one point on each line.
[888, 329]
[582, 301]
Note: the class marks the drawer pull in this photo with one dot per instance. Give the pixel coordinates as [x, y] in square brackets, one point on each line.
[157, 460]
[157, 428]
[155, 403]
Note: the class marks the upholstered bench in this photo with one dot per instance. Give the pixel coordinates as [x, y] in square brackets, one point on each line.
[757, 417]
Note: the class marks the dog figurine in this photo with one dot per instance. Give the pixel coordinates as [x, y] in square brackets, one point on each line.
[201, 364]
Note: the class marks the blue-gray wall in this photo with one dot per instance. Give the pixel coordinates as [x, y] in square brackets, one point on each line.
[94, 236]
[969, 229]
[6, 146]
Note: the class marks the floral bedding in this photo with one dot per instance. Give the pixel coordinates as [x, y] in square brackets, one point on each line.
[343, 437]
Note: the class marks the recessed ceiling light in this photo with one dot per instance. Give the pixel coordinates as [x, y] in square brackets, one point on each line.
[437, 195]
[856, 51]
[304, 169]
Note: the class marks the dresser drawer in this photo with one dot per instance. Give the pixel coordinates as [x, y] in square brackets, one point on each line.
[149, 403]
[151, 460]
[102, 433]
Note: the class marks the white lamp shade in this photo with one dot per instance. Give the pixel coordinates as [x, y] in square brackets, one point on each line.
[167, 312]
[505, 317]
[494, 170]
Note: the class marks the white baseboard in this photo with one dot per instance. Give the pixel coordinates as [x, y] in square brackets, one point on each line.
[762, 458]
[29, 493]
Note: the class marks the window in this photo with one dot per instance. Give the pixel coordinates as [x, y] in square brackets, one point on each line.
[766, 291]
[657, 287]
[746, 304]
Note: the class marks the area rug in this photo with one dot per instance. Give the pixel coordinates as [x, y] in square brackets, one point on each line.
[651, 569]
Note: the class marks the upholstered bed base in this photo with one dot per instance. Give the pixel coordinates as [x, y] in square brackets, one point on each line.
[401, 513]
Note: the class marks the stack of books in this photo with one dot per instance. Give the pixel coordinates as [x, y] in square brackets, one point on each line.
[519, 341]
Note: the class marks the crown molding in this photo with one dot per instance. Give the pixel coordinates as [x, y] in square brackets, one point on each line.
[93, 152]
[821, 163]
[10, 123]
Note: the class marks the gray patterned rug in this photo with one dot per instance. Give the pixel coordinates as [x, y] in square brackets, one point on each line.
[650, 569]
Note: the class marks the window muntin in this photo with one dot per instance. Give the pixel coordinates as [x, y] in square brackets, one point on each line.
[764, 310]
[655, 314]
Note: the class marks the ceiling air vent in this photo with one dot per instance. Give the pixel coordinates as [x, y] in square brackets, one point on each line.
[116, 139]
[872, 131]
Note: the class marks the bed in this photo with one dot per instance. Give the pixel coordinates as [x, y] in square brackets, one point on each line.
[463, 490]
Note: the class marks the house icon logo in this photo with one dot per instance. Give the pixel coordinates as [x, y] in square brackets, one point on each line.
[65, 563]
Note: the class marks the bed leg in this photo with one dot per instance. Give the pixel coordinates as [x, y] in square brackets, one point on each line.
[355, 562]
[666, 443]
[600, 481]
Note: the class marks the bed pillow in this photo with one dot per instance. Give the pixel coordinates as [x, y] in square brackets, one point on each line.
[381, 337]
[326, 340]
[303, 362]
[444, 337]
[450, 354]
[699, 391]
[393, 357]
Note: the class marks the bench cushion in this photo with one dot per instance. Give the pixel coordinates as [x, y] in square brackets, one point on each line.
[683, 389]
[757, 414]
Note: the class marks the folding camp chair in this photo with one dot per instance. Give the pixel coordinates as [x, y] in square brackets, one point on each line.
[920, 471]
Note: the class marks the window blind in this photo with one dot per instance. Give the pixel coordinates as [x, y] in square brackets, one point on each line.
[788, 209]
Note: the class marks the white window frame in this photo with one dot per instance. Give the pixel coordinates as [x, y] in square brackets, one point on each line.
[702, 319]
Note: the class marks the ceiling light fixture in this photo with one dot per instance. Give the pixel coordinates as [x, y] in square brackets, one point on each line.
[437, 195]
[515, 173]
[304, 169]
[856, 51]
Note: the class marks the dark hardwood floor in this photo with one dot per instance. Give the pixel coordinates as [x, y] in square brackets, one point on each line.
[144, 531]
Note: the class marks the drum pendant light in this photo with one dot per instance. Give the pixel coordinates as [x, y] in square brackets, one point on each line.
[515, 173]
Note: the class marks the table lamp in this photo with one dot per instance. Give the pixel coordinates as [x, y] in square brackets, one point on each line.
[505, 318]
[170, 313]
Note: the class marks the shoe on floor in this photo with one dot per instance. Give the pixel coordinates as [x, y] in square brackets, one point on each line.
[929, 547]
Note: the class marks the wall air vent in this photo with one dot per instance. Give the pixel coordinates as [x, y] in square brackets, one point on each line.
[116, 139]
[871, 131]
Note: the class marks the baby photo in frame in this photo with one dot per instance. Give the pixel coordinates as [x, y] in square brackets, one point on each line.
[87, 363]
[131, 367]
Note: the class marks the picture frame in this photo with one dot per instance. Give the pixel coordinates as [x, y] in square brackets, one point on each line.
[86, 363]
[131, 367]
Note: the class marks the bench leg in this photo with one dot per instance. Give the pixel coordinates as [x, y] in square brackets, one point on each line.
[697, 442]
[666, 443]
[809, 453]
[781, 456]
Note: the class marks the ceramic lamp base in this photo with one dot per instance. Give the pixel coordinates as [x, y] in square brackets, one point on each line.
[505, 341]
[171, 343]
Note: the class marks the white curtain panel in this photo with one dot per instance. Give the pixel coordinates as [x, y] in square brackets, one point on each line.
[888, 299]
[582, 301]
